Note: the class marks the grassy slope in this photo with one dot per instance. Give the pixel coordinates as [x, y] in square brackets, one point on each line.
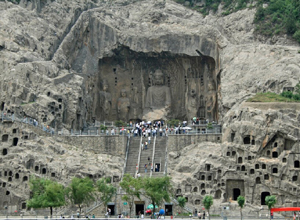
[270, 97]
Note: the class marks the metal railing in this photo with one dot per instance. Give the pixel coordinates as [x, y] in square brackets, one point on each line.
[97, 131]
[139, 157]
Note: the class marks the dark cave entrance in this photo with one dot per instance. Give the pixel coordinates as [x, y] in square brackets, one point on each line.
[139, 208]
[236, 193]
[263, 197]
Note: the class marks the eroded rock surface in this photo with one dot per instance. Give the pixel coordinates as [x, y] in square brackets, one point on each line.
[66, 63]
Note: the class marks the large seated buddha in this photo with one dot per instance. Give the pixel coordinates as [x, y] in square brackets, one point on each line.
[158, 98]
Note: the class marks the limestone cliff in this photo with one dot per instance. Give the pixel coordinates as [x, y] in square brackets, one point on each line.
[62, 61]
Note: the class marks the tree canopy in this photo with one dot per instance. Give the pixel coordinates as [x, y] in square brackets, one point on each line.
[46, 194]
[157, 189]
[81, 191]
[270, 202]
[181, 201]
[208, 201]
[106, 190]
[132, 187]
[241, 202]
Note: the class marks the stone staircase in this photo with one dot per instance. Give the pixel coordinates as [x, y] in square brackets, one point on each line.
[98, 209]
[144, 158]
[132, 158]
[160, 155]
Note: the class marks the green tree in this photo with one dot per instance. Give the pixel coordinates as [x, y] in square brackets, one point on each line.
[173, 122]
[208, 201]
[241, 202]
[181, 201]
[106, 190]
[157, 189]
[270, 202]
[132, 187]
[46, 194]
[81, 191]
[120, 123]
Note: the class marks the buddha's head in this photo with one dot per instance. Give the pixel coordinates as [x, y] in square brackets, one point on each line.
[211, 86]
[123, 93]
[158, 77]
[104, 85]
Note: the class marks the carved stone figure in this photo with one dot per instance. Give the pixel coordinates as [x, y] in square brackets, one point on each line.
[192, 104]
[158, 99]
[211, 99]
[123, 106]
[158, 95]
[105, 102]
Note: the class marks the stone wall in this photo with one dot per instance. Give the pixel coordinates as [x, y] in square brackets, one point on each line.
[178, 142]
[113, 145]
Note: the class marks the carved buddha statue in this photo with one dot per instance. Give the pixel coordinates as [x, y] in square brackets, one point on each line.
[123, 106]
[211, 99]
[105, 101]
[158, 95]
[158, 98]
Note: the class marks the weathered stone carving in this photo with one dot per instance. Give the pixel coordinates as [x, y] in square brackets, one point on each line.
[192, 105]
[211, 99]
[123, 106]
[158, 99]
[105, 101]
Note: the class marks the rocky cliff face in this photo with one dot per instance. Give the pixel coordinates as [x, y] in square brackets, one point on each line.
[55, 57]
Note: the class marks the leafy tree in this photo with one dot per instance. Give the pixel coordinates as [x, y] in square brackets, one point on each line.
[270, 202]
[103, 127]
[241, 202]
[46, 194]
[80, 191]
[107, 191]
[173, 122]
[132, 188]
[157, 189]
[208, 201]
[181, 201]
[120, 123]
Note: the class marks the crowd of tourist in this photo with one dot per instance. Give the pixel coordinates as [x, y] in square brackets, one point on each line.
[149, 129]
[138, 129]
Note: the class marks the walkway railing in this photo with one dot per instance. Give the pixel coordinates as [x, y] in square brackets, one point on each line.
[139, 157]
[96, 131]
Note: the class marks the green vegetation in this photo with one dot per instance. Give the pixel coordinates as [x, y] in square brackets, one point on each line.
[273, 97]
[209, 126]
[157, 189]
[270, 202]
[241, 202]
[181, 201]
[80, 191]
[183, 214]
[272, 16]
[103, 128]
[279, 17]
[207, 202]
[46, 194]
[120, 123]
[132, 188]
[173, 122]
[106, 190]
